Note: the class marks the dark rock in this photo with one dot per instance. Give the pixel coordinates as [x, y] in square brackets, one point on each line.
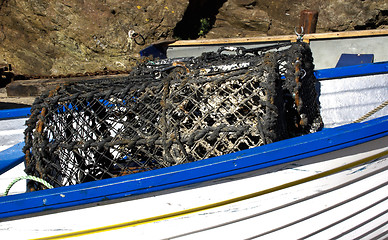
[52, 38]
[66, 37]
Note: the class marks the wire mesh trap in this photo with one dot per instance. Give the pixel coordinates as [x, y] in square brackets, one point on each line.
[169, 112]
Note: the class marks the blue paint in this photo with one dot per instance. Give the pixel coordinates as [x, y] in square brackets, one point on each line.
[349, 71]
[11, 157]
[281, 152]
[248, 160]
[153, 51]
[15, 113]
[354, 59]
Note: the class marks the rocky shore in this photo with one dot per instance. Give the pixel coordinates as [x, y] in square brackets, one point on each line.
[45, 38]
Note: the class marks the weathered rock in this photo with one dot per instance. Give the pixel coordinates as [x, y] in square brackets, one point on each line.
[240, 16]
[64, 37]
[279, 17]
[352, 15]
[69, 36]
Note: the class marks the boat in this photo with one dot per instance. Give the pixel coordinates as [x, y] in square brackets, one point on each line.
[329, 184]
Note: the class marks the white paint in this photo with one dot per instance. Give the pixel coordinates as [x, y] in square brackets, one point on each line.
[201, 194]
[242, 214]
[11, 133]
[7, 177]
[346, 100]
[326, 52]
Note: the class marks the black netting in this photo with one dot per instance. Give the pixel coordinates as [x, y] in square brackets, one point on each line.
[170, 112]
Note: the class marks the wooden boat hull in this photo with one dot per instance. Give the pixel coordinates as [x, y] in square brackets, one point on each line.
[269, 198]
[328, 184]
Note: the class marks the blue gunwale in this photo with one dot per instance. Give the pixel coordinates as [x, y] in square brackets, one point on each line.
[11, 157]
[248, 160]
[350, 71]
[15, 113]
[281, 152]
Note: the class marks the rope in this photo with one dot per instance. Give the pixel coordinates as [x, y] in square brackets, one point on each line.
[46, 184]
[384, 104]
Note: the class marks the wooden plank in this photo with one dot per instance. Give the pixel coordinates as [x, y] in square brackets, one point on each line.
[233, 40]
[307, 37]
[349, 34]
[35, 87]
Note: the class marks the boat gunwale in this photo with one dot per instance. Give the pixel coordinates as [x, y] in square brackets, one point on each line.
[15, 113]
[281, 38]
[359, 70]
[281, 152]
[277, 153]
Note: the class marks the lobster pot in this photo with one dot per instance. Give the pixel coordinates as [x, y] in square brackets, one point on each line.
[170, 112]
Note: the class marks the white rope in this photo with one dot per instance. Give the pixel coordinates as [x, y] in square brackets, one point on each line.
[384, 104]
[46, 184]
[130, 39]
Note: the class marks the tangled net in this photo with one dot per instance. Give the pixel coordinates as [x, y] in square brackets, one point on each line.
[170, 112]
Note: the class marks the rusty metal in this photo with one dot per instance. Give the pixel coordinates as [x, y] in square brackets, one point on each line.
[296, 92]
[308, 20]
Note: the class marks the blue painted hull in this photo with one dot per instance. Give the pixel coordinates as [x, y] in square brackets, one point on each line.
[286, 151]
[258, 161]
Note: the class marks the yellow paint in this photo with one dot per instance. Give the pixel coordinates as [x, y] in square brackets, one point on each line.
[217, 204]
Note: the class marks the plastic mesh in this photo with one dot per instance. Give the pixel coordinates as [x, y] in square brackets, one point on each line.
[171, 112]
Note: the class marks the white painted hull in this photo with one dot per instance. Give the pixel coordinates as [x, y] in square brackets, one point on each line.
[341, 193]
[343, 102]
[326, 47]
[11, 133]
[306, 207]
